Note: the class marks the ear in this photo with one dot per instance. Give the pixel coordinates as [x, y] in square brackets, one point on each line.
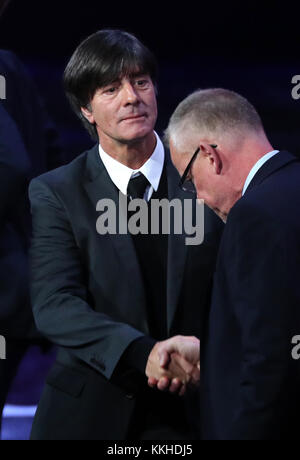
[212, 156]
[88, 115]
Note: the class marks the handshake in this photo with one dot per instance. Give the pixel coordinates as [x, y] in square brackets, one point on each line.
[174, 364]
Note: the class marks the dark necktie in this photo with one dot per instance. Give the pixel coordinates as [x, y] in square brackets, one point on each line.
[137, 187]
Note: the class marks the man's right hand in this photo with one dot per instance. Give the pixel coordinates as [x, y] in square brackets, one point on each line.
[174, 364]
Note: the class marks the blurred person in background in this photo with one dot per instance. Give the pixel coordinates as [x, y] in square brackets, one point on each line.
[28, 147]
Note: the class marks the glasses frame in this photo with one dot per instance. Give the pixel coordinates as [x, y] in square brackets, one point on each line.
[187, 170]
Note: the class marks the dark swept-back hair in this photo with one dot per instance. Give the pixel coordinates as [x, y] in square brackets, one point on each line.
[101, 59]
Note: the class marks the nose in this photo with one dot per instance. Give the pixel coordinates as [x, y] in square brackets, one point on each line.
[130, 94]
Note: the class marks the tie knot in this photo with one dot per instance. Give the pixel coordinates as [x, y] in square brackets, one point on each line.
[137, 186]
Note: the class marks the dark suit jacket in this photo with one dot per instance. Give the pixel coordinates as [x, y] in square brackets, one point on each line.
[250, 383]
[88, 298]
[27, 148]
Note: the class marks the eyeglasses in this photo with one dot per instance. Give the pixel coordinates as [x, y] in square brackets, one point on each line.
[186, 184]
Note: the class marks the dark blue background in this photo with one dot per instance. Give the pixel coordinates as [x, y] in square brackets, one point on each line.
[250, 47]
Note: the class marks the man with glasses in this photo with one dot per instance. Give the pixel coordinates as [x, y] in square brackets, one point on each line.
[249, 379]
[110, 301]
[186, 183]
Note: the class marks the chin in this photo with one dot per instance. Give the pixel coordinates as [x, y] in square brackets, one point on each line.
[137, 135]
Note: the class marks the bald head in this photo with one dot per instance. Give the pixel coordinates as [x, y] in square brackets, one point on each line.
[229, 136]
[215, 113]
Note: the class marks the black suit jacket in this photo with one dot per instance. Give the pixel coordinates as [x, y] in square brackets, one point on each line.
[250, 383]
[88, 298]
[28, 147]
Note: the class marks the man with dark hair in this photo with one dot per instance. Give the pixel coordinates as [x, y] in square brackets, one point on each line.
[28, 147]
[249, 379]
[110, 300]
[88, 71]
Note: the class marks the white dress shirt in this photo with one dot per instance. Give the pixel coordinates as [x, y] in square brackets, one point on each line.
[120, 174]
[257, 167]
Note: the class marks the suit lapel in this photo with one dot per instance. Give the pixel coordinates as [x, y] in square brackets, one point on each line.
[98, 186]
[177, 249]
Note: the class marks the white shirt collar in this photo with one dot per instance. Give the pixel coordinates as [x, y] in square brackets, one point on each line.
[120, 174]
[257, 167]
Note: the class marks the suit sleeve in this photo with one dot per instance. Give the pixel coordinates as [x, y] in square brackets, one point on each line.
[59, 294]
[266, 302]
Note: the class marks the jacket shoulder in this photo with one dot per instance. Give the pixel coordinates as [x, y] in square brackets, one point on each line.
[11, 64]
[66, 174]
[7, 56]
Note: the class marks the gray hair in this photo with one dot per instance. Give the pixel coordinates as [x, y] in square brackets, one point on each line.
[212, 112]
